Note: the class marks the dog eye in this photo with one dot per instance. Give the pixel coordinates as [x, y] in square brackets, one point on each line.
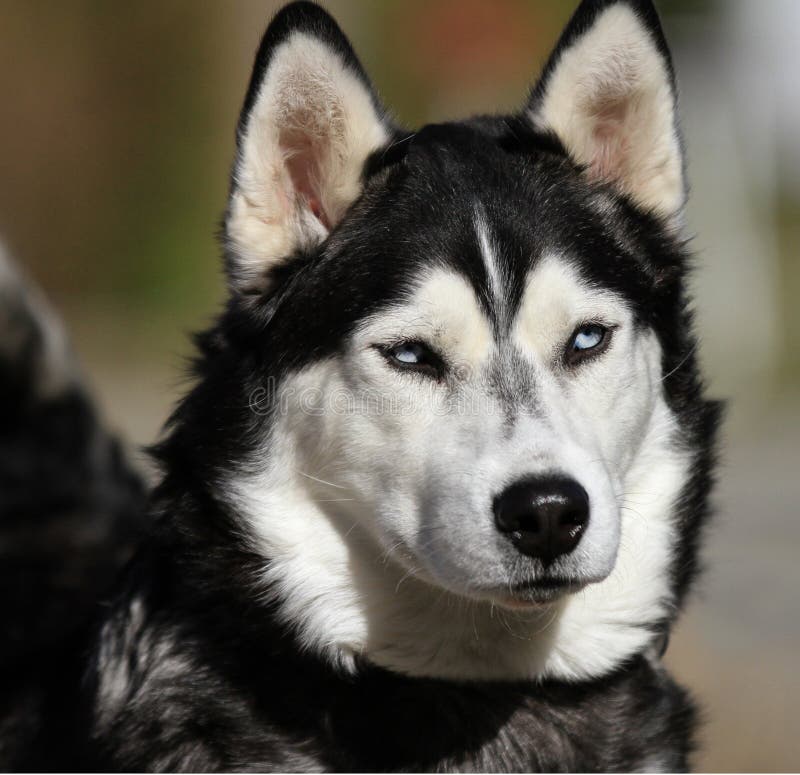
[589, 340]
[414, 356]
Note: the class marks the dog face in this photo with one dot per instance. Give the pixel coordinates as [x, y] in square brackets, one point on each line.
[492, 462]
[467, 357]
[498, 388]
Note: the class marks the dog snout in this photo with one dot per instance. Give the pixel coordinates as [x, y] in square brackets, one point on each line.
[543, 517]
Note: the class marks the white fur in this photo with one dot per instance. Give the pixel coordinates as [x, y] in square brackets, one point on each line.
[494, 271]
[159, 662]
[375, 519]
[610, 102]
[312, 116]
[55, 365]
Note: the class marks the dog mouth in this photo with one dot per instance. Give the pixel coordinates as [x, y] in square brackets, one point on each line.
[538, 592]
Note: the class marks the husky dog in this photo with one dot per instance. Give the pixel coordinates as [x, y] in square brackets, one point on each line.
[435, 499]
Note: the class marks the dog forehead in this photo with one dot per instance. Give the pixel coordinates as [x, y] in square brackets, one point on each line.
[484, 222]
[556, 297]
[442, 305]
[490, 295]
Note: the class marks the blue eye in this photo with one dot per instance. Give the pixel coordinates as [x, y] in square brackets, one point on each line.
[588, 337]
[588, 340]
[415, 356]
[409, 353]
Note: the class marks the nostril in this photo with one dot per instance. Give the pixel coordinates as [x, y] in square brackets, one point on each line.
[571, 526]
[544, 517]
[574, 518]
[528, 522]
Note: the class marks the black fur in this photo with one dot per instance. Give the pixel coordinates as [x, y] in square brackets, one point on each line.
[211, 680]
[252, 701]
[71, 514]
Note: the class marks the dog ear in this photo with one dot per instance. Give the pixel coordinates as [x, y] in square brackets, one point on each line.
[608, 93]
[310, 121]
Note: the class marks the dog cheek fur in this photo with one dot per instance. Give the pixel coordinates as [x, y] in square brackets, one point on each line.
[312, 511]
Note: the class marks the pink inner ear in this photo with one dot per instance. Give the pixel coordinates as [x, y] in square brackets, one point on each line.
[610, 140]
[303, 158]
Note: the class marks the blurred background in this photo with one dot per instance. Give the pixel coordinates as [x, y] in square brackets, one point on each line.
[116, 136]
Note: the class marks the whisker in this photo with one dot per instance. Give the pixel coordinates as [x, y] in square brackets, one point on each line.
[321, 481]
[405, 576]
[351, 529]
[682, 361]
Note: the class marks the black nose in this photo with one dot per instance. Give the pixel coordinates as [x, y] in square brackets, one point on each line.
[544, 517]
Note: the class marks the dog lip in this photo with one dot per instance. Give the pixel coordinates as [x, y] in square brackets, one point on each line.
[533, 593]
[542, 590]
[547, 583]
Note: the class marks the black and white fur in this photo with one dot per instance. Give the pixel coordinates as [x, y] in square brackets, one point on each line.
[323, 586]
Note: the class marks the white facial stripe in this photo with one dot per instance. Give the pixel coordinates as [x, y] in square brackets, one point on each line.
[554, 302]
[494, 272]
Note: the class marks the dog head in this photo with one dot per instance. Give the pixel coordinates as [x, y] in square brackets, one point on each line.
[467, 434]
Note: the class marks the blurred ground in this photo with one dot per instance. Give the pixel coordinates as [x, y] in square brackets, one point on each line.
[737, 646]
[115, 142]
